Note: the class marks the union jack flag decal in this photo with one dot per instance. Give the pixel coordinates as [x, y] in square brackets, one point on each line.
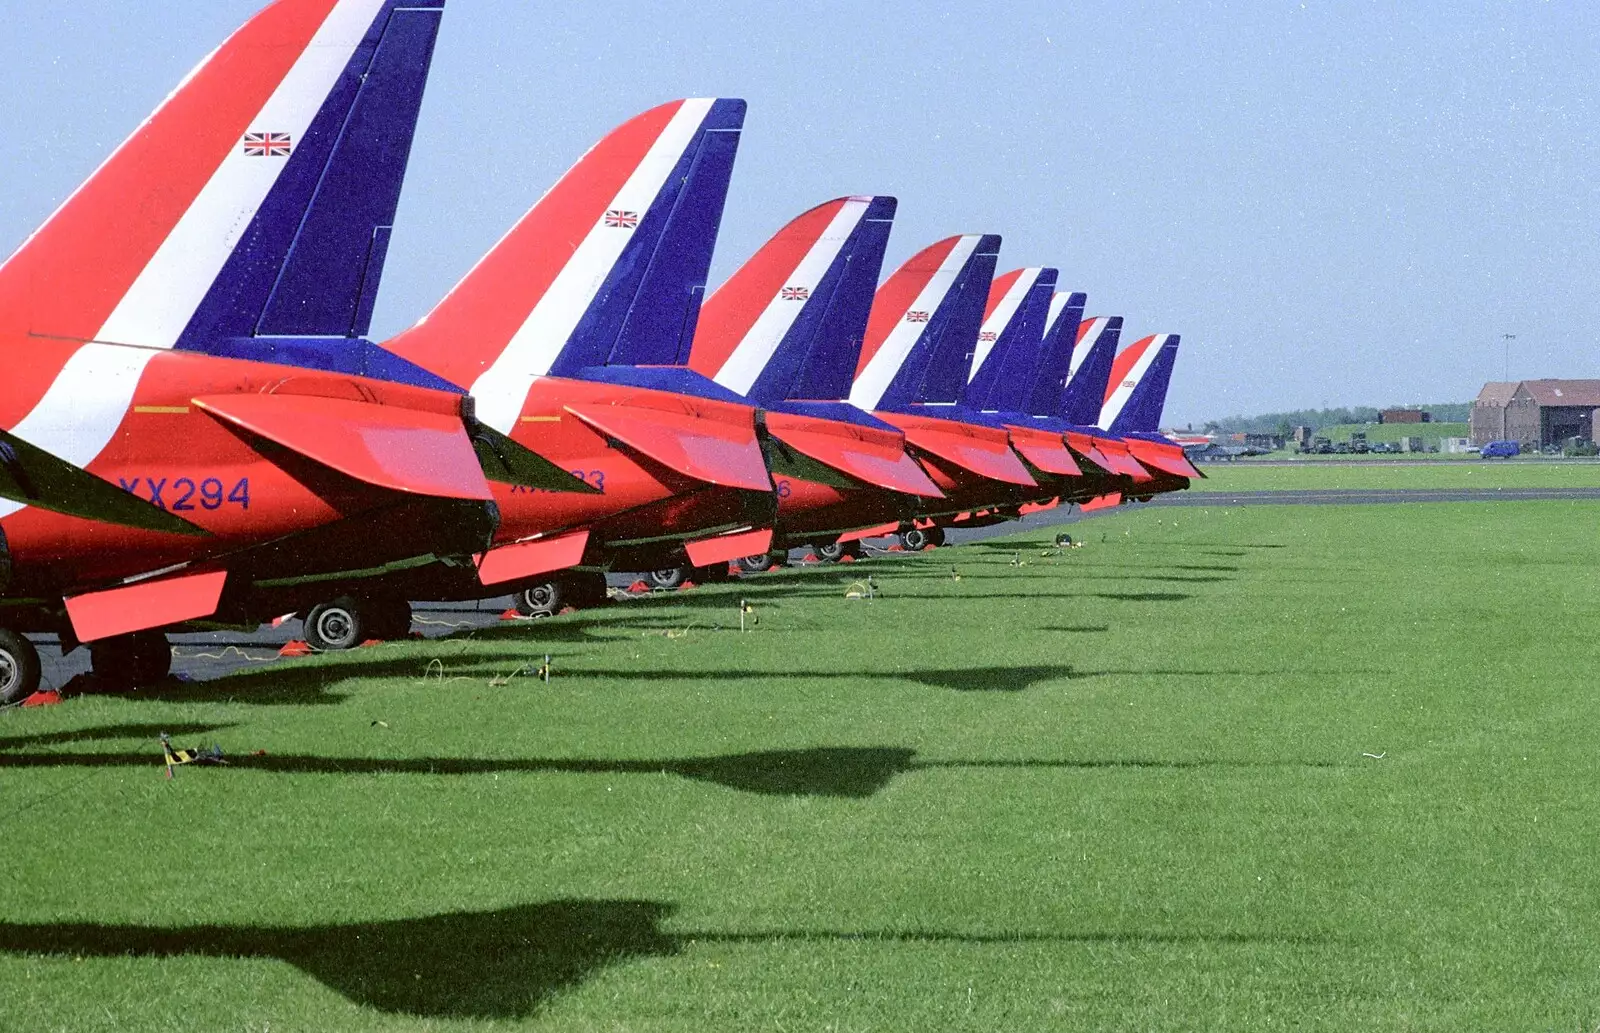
[916, 315]
[987, 335]
[267, 145]
[795, 293]
[620, 220]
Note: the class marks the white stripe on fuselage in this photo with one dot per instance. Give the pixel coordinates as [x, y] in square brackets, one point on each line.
[874, 380]
[1085, 344]
[502, 388]
[1124, 390]
[997, 321]
[86, 403]
[751, 355]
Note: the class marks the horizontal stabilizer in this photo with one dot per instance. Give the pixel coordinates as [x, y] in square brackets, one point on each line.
[1045, 451]
[145, 604]
[1166, 458]
[506, 462]
[707, 450]
[1085, 446]
[406, 450]
[981, 450]
[1125, 464]
[30, 475]
[876, 457]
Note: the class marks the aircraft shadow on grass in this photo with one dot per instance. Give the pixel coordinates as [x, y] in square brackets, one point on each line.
[312, 682]
[963, 679]
[841, 772]
[103, 732]
[1065, 574]
[503, 964]
[1118, 597]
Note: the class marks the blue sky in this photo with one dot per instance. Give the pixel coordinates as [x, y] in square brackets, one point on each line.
[1341, 203]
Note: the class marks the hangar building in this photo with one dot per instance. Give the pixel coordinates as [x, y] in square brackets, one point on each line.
[1535, 412]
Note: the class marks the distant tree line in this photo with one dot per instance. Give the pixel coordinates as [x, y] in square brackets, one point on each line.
[1281, 422]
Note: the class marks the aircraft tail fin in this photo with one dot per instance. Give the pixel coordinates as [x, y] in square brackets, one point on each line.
[1055, 354]
[1090, 370]
[1009, 339]
[190, 229]
[1137, 390]
[608, 268]
[924, 322]
[788, 324]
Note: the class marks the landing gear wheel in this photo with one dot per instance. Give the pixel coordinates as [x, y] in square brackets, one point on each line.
[130, 661]
[337, 624]
[388, 619]
[915, 539]
[759, 563]
[544, 599]
[19, 667]
[668, 577]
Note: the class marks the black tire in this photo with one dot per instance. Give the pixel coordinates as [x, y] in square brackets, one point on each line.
[668, 577]
[335, 625]
[126, 662]
[544, 599]
[830, 553]
[935, 536]
[757, 564]
[913, 539]
[19, 667]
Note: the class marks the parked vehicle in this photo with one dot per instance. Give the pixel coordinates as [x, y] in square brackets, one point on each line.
[1500, 450]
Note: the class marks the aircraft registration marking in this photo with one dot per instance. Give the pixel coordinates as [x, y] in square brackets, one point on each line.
[178, 494]
[595, 479]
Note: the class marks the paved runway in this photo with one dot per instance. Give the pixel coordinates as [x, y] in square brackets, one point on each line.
[209, 655]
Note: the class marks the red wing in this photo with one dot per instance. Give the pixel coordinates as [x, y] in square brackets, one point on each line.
[725, 548]
[525, 559]
[145, 604]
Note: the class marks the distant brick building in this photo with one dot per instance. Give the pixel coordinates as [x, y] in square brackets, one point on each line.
[1404, 416]
[1535, 412]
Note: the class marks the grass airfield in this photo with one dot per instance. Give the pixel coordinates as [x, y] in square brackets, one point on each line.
[1218, 768]
[1320, 473]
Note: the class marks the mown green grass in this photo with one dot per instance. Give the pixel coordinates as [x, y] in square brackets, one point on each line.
[1481, 474]
[1122, 787]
